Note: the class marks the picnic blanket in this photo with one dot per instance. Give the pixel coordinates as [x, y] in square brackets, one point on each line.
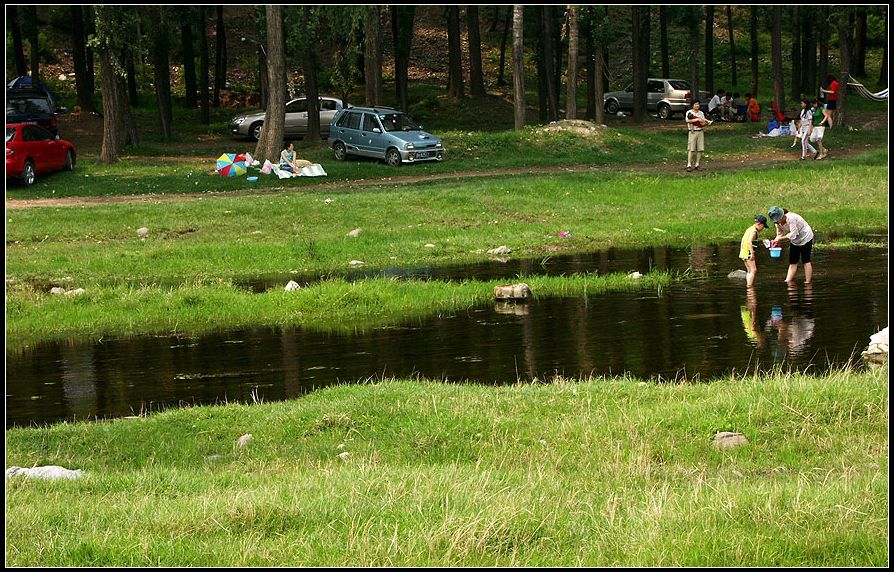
[314, 170]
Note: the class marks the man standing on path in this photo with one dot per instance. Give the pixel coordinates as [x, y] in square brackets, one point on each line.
[695, 122]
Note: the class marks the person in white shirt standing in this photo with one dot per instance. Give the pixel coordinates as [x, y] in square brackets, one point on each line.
[793, 227]
[695, 122]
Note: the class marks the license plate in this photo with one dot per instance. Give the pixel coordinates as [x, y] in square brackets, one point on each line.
[422, 155]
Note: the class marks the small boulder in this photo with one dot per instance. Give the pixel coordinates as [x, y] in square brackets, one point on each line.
[57, 290]
[635, 275]
[243, 441]
[75, 292]
[292, 285]
[500, 251]
[344, 455]
[50, 472]
[737, 275]
[354, 233]
[729, 439]
[356, 263]
[519, 291]
[142, 231]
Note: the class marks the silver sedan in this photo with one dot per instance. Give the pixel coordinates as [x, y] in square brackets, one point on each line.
[249, 124]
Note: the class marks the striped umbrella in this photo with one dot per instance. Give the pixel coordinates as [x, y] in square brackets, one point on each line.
[231, 164]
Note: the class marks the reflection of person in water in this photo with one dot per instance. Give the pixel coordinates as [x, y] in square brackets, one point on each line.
[749, 319]
[793, 332]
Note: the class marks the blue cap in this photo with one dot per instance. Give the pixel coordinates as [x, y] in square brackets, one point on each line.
[761, 219]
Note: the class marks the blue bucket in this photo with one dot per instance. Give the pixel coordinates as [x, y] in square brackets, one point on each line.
[775, 252]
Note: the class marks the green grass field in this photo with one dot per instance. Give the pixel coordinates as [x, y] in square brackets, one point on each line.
[602, 472]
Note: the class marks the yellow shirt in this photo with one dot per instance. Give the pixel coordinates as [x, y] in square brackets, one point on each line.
[749, 237]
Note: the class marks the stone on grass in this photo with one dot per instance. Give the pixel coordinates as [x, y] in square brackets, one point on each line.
[57, 290]
[877, 352]
[243, 441]
[142, 231]
[292, 285]
[634, 275]
[50, 472]
[344, 455]
[729, 439]
[499, 251]
[75, 292]
[519, 291]
[429, 245]
[354, 233]
[356, 263]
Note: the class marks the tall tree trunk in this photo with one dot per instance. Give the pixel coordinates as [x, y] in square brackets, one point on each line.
[808, 53]
[202, 31]
[220, 59]
[558, 51]
[402, 32]
[571, 90]
[162, 69]
[501, 77]
[476, 75]
[640, 16]
[495, 19]
[112, 125]
[662, 25]
[263, 79]
[778, 78]
[796, 53]
[372, 61]
[590, 65]
[518, 65]
[883, 72]
[859, 56]
[189, 61]
[755, 52]
[604, 47]
[599, 76]
[824, 44]
[79, 56]
[709, 48]
[844, 46]
[89, 28]
[33, 31]
[131, 77]
[18, 47]
[129, 133]
[548, 78]
[455, 86]
[270, 142]
[732, 45]
[542, 98]
[694, 44]
[311, 88]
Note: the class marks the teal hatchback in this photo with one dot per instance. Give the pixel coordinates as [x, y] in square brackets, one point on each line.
[383, 133]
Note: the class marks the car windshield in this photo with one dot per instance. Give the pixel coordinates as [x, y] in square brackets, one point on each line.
[398, 122]
[678, 84]
[10, 133]
[30, 105]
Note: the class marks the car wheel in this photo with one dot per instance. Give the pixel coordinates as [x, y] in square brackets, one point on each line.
[256, 130]
[28, 174]
[612, 107]
[664, 111]
[392, 157]
[340, 152]
[69, 161]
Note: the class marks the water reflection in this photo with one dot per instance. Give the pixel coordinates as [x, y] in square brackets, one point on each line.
[700, 329]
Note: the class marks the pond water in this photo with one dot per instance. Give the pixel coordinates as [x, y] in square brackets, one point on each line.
[701, 329]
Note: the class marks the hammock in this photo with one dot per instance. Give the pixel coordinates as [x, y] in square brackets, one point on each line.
[861, 89]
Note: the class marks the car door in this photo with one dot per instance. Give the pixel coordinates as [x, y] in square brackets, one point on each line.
[625, 98]
[328, 109]
[42, 148]
[296, 118]
[656, 93]
[348, 130]
[372, 136]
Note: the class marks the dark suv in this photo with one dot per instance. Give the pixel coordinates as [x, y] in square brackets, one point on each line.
[31, 106]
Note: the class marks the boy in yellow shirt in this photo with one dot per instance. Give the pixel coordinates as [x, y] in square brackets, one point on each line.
[746, 252]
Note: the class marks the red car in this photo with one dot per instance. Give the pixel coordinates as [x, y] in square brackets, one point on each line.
[32, 150]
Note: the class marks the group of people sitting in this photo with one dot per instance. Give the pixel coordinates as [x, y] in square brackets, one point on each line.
[725, 106]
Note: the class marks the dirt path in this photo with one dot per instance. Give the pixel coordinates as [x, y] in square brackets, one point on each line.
[749, 161]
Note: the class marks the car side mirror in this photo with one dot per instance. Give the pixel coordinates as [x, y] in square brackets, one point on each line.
[376, 130]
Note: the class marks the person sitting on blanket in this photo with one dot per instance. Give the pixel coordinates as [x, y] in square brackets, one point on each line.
[289, 161]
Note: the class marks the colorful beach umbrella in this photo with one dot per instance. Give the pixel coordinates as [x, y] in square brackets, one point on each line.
[231, 164]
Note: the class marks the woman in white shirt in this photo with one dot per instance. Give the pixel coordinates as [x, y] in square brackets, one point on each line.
[793, 227]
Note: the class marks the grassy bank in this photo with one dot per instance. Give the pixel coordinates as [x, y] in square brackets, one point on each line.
[292, 232]
[601, 472]
[333, 305]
